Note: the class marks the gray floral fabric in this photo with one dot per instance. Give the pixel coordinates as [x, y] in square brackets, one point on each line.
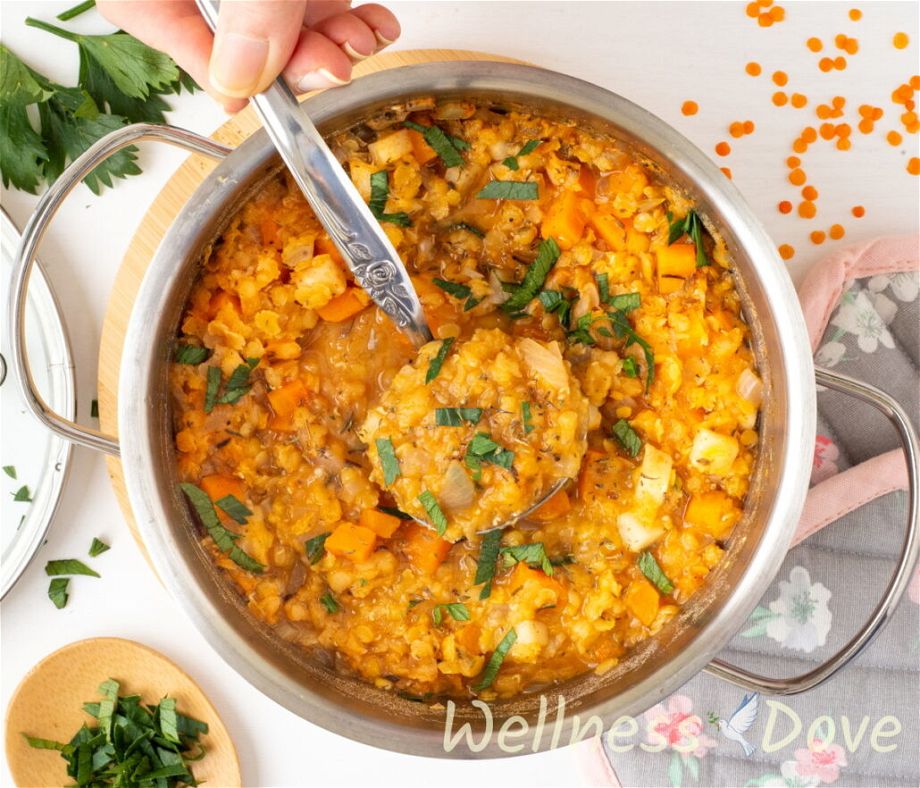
[861, 728]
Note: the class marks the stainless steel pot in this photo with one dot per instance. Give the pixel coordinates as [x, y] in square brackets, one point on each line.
[660, 665]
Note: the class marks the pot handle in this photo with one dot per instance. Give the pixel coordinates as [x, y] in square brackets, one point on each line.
[899, 580]
[32, 237]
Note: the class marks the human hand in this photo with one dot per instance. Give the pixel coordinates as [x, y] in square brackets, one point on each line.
[313, 43]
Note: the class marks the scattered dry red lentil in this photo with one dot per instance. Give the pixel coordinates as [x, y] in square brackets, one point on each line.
[723, 148]
[844, 143]
[689, 108]
[814, 44]
[825, 64]
[809, 134]
[848, 45]
[826, 130]
[726, 172]
[894, 138]
[840, 62]
[780, 98]
[797, 177]
[817, 237]
[855, 14]
[749, 127]
[785, 206]
[786, 251]
[780, 78]
[900, 40]
[858, 211]
[736, 129]
[836, 232]
[810, 193]
[798, 100]
[807, 209]
[913, 166]
[753, 69]
[792, 162]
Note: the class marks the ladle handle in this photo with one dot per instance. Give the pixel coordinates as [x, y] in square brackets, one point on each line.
[371, 257]
[903, 571]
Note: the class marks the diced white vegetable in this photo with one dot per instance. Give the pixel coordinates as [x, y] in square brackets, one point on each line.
[654, 476]
[532, 636]
[457, 491]
[713, 453]
[749, 387]
[546, 363]
[360, 172]
[635, 534]
[390, 148]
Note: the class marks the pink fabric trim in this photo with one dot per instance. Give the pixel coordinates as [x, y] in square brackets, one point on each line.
[829, 500]
[595, 766]
[822, 288]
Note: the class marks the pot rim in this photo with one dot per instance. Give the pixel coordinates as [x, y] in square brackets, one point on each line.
[793, 364]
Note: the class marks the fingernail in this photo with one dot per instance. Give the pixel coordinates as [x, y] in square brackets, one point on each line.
[353, 53]
[318, 80]
[237, 64]
[382, 40]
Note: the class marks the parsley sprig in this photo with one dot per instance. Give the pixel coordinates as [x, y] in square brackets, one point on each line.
[547, 255]
[691, 226]
[380, 193]
[448, 148]
[529, 147]
[223, 538]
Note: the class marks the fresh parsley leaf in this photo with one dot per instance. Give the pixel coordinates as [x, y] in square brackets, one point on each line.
[223, 538]
[57, 593]
[603, 287]
[483, 449]
[512, 161]
[625, 302]
[656, 576]
[495, 661]
[238, 384]
[555, 301]
[394, 512]
[22, 153]
[469, 228]
[547, 254]
[380, 193]
[388, 461]
[316, 547]
[22, 495]
[434, 366]
[630, 367]
[456, 610]
[441, 143]
[628, 437]
[435, 515]
[526, 418]
[44, 744]
[582, 331]
[210, 394]
[69, 566]
[533, 554]
[330, 603]
[489, 549]
[509, 190]
[235, 508]
[691, 225]
[455, 417]
[71, 13]
[622, 328]
[10, 470]
[455, 289]
[19, 84]
[191, 354]
[97, 547]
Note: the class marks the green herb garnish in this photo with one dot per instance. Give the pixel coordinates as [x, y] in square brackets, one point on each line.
[235, 508]
[10, 470]
[656, 576]
[435, 515]
[22, 495]
[458, 290]
[547, 254]
[445, 146]
[69, 566]
[469, 228]
[495, 661]
[455, 417]
[692, 226]
[625, 302]
[238, 383]
[316, 547]
[330, 602]
[191, 354]
[485, 565]
[71, 13]
[223, 538]
[555, 301]
[394, 512]
[509, 190]
[512, 161]
[526, 418]
[57, 591]
[456, 610]
[627, 437]
[213, 386]
[97, 547]
[415, 602]
[434, 366]
[630, 367]
[388, 461]
[380, 193]
[533, 554]
[483, 449]
[130, 743]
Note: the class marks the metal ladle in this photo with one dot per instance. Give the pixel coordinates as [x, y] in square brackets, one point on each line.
[371, 258]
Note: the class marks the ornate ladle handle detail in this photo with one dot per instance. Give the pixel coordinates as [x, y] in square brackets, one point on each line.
[337, 204]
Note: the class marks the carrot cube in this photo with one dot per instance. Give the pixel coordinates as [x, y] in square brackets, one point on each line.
[642, 599]
[381, 523]
[424, 548]
[555, 506]
[351, 541]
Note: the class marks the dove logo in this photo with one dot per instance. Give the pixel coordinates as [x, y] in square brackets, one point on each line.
[740, 722]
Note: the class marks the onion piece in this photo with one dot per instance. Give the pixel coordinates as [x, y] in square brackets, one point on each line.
[749, 387]
[546, 363]
[457, 491]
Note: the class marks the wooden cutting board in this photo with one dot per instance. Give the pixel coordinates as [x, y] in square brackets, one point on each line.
[160, 216]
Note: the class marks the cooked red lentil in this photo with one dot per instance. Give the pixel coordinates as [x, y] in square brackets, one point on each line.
[302, 414]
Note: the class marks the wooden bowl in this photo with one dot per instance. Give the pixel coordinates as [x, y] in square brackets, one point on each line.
[48, 703]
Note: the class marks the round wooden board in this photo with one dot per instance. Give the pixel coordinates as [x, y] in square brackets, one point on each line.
[48, 704]
[160, 216]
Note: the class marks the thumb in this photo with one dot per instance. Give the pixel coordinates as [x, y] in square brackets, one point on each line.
[253, 43]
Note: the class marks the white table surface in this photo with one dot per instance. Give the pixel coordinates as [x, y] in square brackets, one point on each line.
[697, 51]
